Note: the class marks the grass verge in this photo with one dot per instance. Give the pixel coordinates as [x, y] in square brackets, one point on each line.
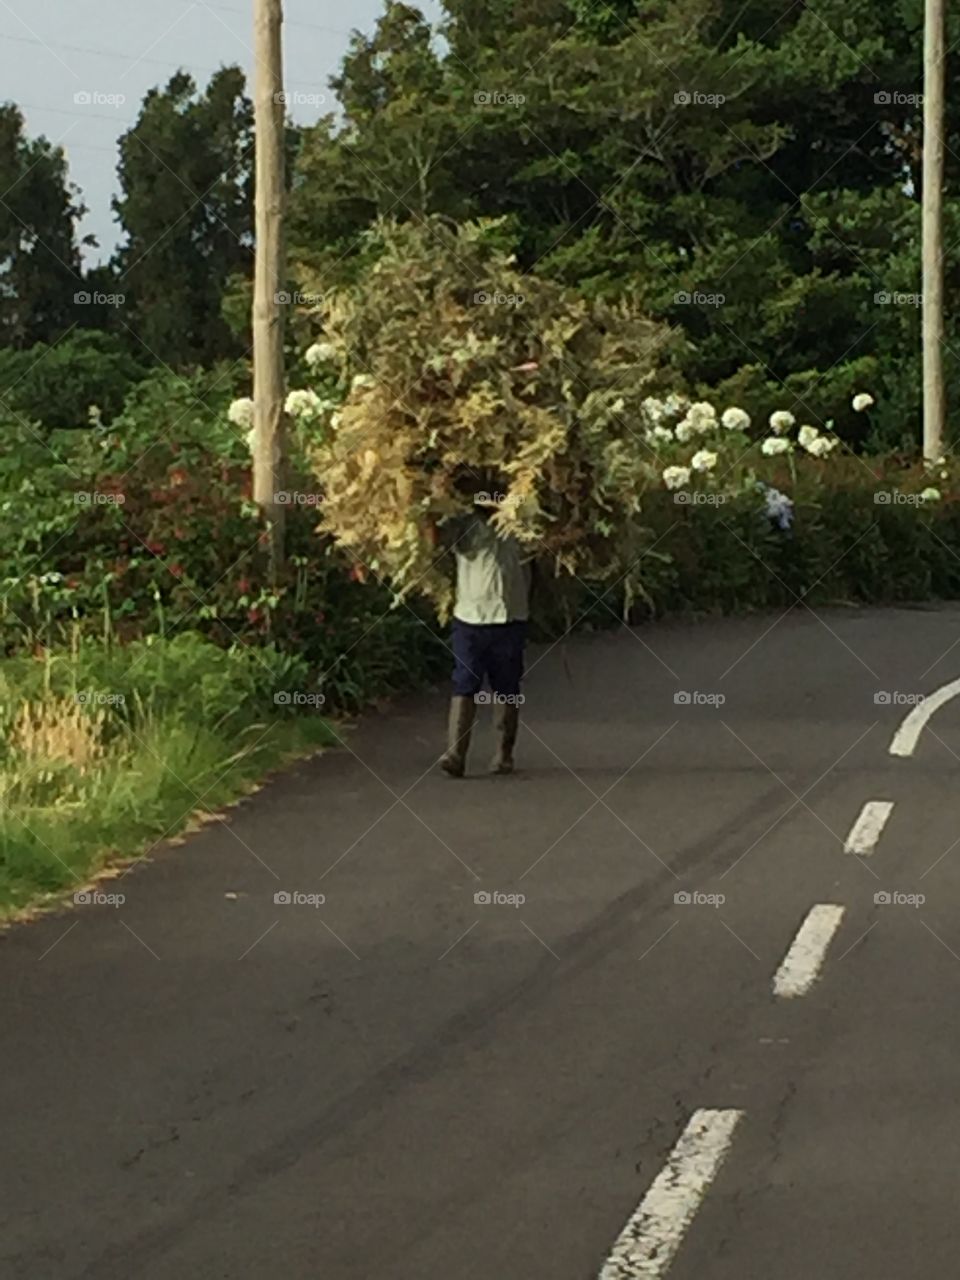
[107, 750]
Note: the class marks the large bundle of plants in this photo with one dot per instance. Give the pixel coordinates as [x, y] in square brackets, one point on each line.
[454, 364]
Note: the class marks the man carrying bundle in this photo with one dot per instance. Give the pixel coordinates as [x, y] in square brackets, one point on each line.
[491, 610]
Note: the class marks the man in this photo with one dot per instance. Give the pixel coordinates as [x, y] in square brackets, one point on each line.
[491, 611]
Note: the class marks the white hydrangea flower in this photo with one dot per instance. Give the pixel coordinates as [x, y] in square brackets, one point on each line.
[654, 410]
[736, 420]
[684, 431]
[774, 445]
[658, 435]
[823, 446]
[676, 477]
[301, 404]
[362, 381]
[863, 402]
[702, 417]
[807, 436]
[781, 421]
[240, 412]
[704, 460]
[930, 495]
[676, 404]
[320, 353]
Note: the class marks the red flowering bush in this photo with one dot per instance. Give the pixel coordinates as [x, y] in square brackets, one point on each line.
[149, 526]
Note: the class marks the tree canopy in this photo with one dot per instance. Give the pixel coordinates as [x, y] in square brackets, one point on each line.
[748, 172]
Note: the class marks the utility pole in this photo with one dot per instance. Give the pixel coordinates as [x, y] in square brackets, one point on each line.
[269, 455]
[934, 124]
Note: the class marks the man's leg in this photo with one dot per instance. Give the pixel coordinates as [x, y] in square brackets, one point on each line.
[467, 682]
[506, 674]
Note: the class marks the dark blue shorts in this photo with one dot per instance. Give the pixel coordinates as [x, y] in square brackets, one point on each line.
[491, 652]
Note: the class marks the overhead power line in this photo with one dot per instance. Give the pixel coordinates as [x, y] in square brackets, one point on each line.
[128, 57]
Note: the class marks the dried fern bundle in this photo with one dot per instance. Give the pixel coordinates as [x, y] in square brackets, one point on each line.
[454, 363]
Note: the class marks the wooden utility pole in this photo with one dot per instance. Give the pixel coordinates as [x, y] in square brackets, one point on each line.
[934, 123]
[269, 456]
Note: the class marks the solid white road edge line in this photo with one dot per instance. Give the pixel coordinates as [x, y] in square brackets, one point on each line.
[908, 735]
[868, 828]
[647, 1244]
[801, 964]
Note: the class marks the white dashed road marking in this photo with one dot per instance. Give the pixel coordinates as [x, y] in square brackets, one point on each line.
[801, 965]
[908, 735]
[647, 1244]
[868, 828]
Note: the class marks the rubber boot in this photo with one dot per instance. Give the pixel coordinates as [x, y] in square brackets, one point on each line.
[462, 712]
[506, 722]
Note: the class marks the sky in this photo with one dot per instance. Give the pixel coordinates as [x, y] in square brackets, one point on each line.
[111, 52]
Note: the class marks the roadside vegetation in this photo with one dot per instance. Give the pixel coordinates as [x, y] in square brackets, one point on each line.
[107, 750]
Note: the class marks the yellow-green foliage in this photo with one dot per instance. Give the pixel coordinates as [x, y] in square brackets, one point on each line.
[535, 385]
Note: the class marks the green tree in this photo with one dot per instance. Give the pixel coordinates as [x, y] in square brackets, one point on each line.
[39, 251]
[186, 208]
[387, 155]
[664, 150]
[57, 384]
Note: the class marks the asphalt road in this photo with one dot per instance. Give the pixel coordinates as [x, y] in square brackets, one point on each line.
[410, 1083]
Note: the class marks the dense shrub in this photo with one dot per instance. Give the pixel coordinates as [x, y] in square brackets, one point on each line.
[148, 526]
[858, 536]
[57, 385]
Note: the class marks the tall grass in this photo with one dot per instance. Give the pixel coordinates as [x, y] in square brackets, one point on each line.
[106, 749]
